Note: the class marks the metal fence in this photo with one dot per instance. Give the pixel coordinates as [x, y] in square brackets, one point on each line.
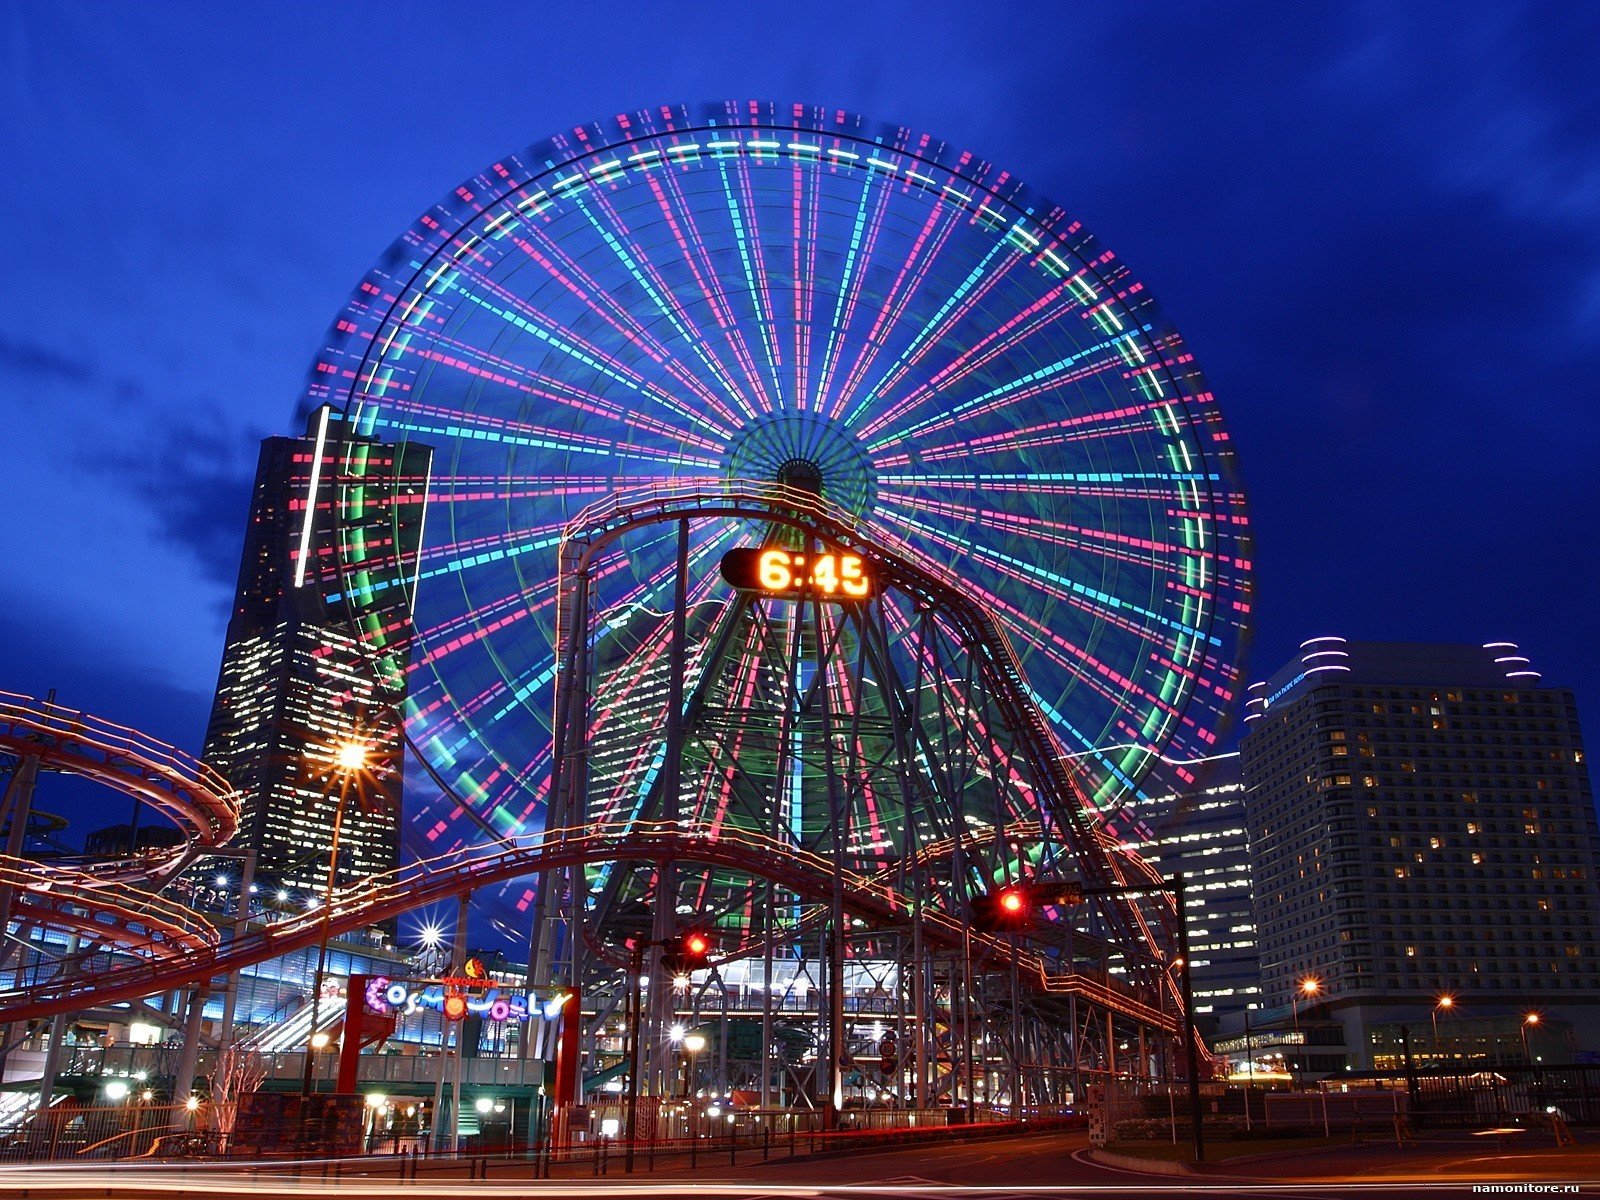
[1499, 1096]
[68, 1130]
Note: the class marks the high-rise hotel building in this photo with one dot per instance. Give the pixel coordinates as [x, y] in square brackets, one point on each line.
[297, 679]
[1422, 826]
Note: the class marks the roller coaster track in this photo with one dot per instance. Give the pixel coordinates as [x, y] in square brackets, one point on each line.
[807, 874]
[97, 900]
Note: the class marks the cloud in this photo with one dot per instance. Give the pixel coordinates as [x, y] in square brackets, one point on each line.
[195, 470]
[31, 358]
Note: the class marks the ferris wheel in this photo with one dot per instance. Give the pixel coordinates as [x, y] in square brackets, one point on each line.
[690, 297]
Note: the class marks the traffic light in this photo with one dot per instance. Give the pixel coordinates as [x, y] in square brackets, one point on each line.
[688, 953]
[1009, 910]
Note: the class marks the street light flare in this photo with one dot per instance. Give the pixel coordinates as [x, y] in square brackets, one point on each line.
[351, 756]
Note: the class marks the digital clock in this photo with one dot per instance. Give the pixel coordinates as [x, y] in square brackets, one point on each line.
[840, 575]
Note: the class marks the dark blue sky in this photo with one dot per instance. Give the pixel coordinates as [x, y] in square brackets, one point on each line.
[1378, 226]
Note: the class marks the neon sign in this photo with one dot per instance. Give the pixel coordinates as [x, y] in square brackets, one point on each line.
[450, 998]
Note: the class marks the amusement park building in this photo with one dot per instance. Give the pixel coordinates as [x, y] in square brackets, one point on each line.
[296, 680]
[1421, 826]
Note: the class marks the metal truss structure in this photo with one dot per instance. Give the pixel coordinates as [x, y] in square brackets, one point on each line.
[892, 740]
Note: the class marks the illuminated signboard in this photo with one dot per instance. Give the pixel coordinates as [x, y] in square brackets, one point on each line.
[451, 998]
[840, 575]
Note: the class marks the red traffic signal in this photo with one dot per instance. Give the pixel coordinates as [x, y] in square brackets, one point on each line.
[689, 953]
[1008, 910]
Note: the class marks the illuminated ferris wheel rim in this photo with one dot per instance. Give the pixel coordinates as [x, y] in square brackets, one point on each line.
[592, 158]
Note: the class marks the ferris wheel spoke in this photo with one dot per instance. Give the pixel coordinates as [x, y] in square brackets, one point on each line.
[532, 386]
[1147, 553]
[911, 274]
[569, 273]
[763, 291]
[1112, 426]
[647, 274]
[963, 300]
[804, 216]
[685, 222]
[1072, 370]
[1096, 602]
[566, 342]
[863, 237]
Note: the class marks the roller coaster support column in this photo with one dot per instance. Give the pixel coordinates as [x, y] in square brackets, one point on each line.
[58, 1032]
[183, 1080]
[635, 973]
[241, 921]
[14, 810]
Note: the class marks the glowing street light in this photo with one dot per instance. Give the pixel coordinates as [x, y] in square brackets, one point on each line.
[1309, 987]
[1529, 1021]
[693, 1043]
[351, 756]
[1444, 1004]
[350, 760]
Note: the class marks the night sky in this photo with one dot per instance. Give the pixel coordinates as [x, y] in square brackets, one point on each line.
[1378, 227]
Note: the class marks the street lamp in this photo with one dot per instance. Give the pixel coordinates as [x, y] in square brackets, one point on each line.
[1445, 1003]
[693, 1043]
[1529, 1020]
[349, 759]
[1308, 987]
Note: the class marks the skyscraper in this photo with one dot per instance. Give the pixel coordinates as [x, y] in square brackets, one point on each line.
[297, 680]
[1199, 829]
[1422, 826]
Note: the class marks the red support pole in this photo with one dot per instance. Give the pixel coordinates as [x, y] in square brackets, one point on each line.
[355, 1007]
[568, 1036]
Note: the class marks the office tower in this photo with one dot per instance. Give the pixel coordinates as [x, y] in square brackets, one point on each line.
[297, 681]
[1422, 826]
[1199, 829]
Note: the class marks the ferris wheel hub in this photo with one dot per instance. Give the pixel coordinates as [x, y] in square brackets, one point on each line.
[808, 452]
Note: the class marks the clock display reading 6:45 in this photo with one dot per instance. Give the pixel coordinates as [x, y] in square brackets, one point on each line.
[822, 574]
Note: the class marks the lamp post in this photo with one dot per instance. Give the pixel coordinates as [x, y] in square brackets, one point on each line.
[1445, 1002]
[693, 1043]
[1529, 1020]
[349, 759]
[1308, 987]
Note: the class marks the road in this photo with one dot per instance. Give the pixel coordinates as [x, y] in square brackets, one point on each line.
[1036, 1166]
